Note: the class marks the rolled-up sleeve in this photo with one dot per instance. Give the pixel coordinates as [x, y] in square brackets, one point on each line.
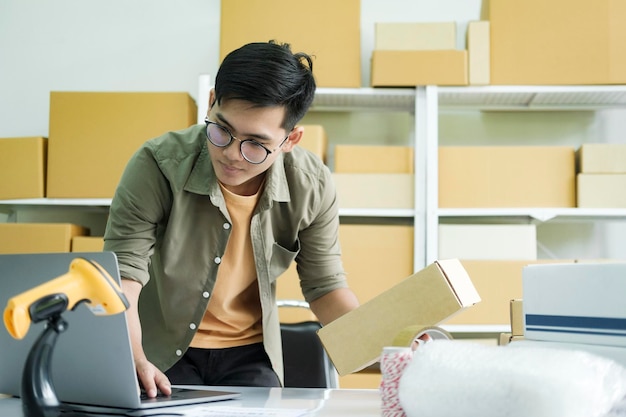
[140, 204]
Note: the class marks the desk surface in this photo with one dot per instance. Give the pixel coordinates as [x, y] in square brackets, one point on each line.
[320, 402]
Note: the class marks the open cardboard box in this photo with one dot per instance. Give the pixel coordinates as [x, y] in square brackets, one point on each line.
[424, 299]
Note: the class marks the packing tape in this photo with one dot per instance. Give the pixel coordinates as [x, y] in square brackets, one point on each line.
[407, 335]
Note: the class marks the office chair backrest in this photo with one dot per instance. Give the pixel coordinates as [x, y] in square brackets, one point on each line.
[305, 361]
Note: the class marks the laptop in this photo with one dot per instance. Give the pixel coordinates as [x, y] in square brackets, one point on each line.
[92, 363]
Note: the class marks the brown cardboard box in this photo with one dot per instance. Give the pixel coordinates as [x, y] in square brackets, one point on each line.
[517, 317]
[332, 34]
[506, 176]
[93, 135]
[414, 36]
[426, 298]
[411, 68]
[601, 158]
[38, 237]
[373, 159]
[558, 42]
[392, 191]
[314, 139]
[497, 282]
[601, 190]
[487, 241]
[23, 167]
[478, 53]
[362, 248]
[87, 244]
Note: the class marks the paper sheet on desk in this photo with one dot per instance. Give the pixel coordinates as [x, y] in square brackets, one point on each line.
[211, 411]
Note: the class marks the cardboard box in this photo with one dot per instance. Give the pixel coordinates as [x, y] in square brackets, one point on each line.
[601, 158]
[517, 317]
[38, 237]
[93, 135]
[314, 139]
[506, 176]
[478, 53]
[362, 246]
[87, 244]
[415, 36]
[392, 191]
[332, 34]
[576, 303]
[426, 298]
[601, 190]
[23, 167]
[373, 159]
[558, 42]
[497, 282]
[488, 241]
[411, 68]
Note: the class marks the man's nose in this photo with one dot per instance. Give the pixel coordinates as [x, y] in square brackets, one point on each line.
[233, 151]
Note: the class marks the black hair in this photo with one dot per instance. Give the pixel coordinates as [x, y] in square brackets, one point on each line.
[268, 74]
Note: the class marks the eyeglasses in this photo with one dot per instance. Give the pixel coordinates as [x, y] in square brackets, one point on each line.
[251, 150]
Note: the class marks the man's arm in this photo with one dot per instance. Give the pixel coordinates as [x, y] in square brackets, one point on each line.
[149, 375]
[334, 305]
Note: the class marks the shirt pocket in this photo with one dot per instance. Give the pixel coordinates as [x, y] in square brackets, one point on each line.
[282, 258]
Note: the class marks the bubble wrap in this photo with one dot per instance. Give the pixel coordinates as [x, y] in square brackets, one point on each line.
[448, 378]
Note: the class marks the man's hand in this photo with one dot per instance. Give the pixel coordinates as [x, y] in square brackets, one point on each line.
[152, 379]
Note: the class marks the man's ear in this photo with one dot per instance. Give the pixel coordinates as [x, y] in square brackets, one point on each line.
[211, 98]
[295, 136]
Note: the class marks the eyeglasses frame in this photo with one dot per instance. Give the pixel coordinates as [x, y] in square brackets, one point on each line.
[241, 142]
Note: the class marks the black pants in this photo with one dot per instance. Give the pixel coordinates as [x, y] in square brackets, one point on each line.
[238, 366]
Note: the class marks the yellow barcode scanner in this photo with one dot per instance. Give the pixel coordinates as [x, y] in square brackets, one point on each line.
[85, 282]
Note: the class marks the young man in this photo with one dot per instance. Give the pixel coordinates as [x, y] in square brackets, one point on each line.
[204, 221]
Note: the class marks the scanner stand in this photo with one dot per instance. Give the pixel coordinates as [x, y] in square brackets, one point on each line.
[38, 396]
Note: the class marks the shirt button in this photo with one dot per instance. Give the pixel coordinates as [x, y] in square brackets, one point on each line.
[226, 226]
[179, 352]
[217, 260]
[205, 294]
[192, 326]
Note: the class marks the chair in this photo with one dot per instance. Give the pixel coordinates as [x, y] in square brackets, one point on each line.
[305, 361]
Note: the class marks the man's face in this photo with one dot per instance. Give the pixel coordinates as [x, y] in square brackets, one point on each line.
[244, 121]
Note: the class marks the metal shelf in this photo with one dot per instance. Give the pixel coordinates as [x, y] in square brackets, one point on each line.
[537, 214]
[537, 98]
[364, 99]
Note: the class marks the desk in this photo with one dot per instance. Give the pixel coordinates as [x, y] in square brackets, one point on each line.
[322, 402]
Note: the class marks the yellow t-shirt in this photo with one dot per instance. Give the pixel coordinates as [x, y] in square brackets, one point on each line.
[233, 316]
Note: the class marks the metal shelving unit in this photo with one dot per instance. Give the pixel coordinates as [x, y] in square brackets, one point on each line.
[507, 98]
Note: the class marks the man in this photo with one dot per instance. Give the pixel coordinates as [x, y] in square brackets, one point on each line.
[204, 220]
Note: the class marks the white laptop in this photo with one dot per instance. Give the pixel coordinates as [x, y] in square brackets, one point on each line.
[92, 365]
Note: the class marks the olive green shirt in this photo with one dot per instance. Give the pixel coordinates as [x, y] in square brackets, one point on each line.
[168, 225]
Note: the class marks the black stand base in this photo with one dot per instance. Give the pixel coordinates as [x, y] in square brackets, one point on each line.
[38, 396]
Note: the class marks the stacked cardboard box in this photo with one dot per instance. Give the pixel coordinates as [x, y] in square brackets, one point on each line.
[93, 135]
[558, 42]
[410, 54]
[332, 34]
[314, 139]
[488, 241]
[23, 167]
[383, 171]
[38, 237]
[601, 173]
[506, 176]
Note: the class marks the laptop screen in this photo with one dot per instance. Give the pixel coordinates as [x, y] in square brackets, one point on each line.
[92, 360]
